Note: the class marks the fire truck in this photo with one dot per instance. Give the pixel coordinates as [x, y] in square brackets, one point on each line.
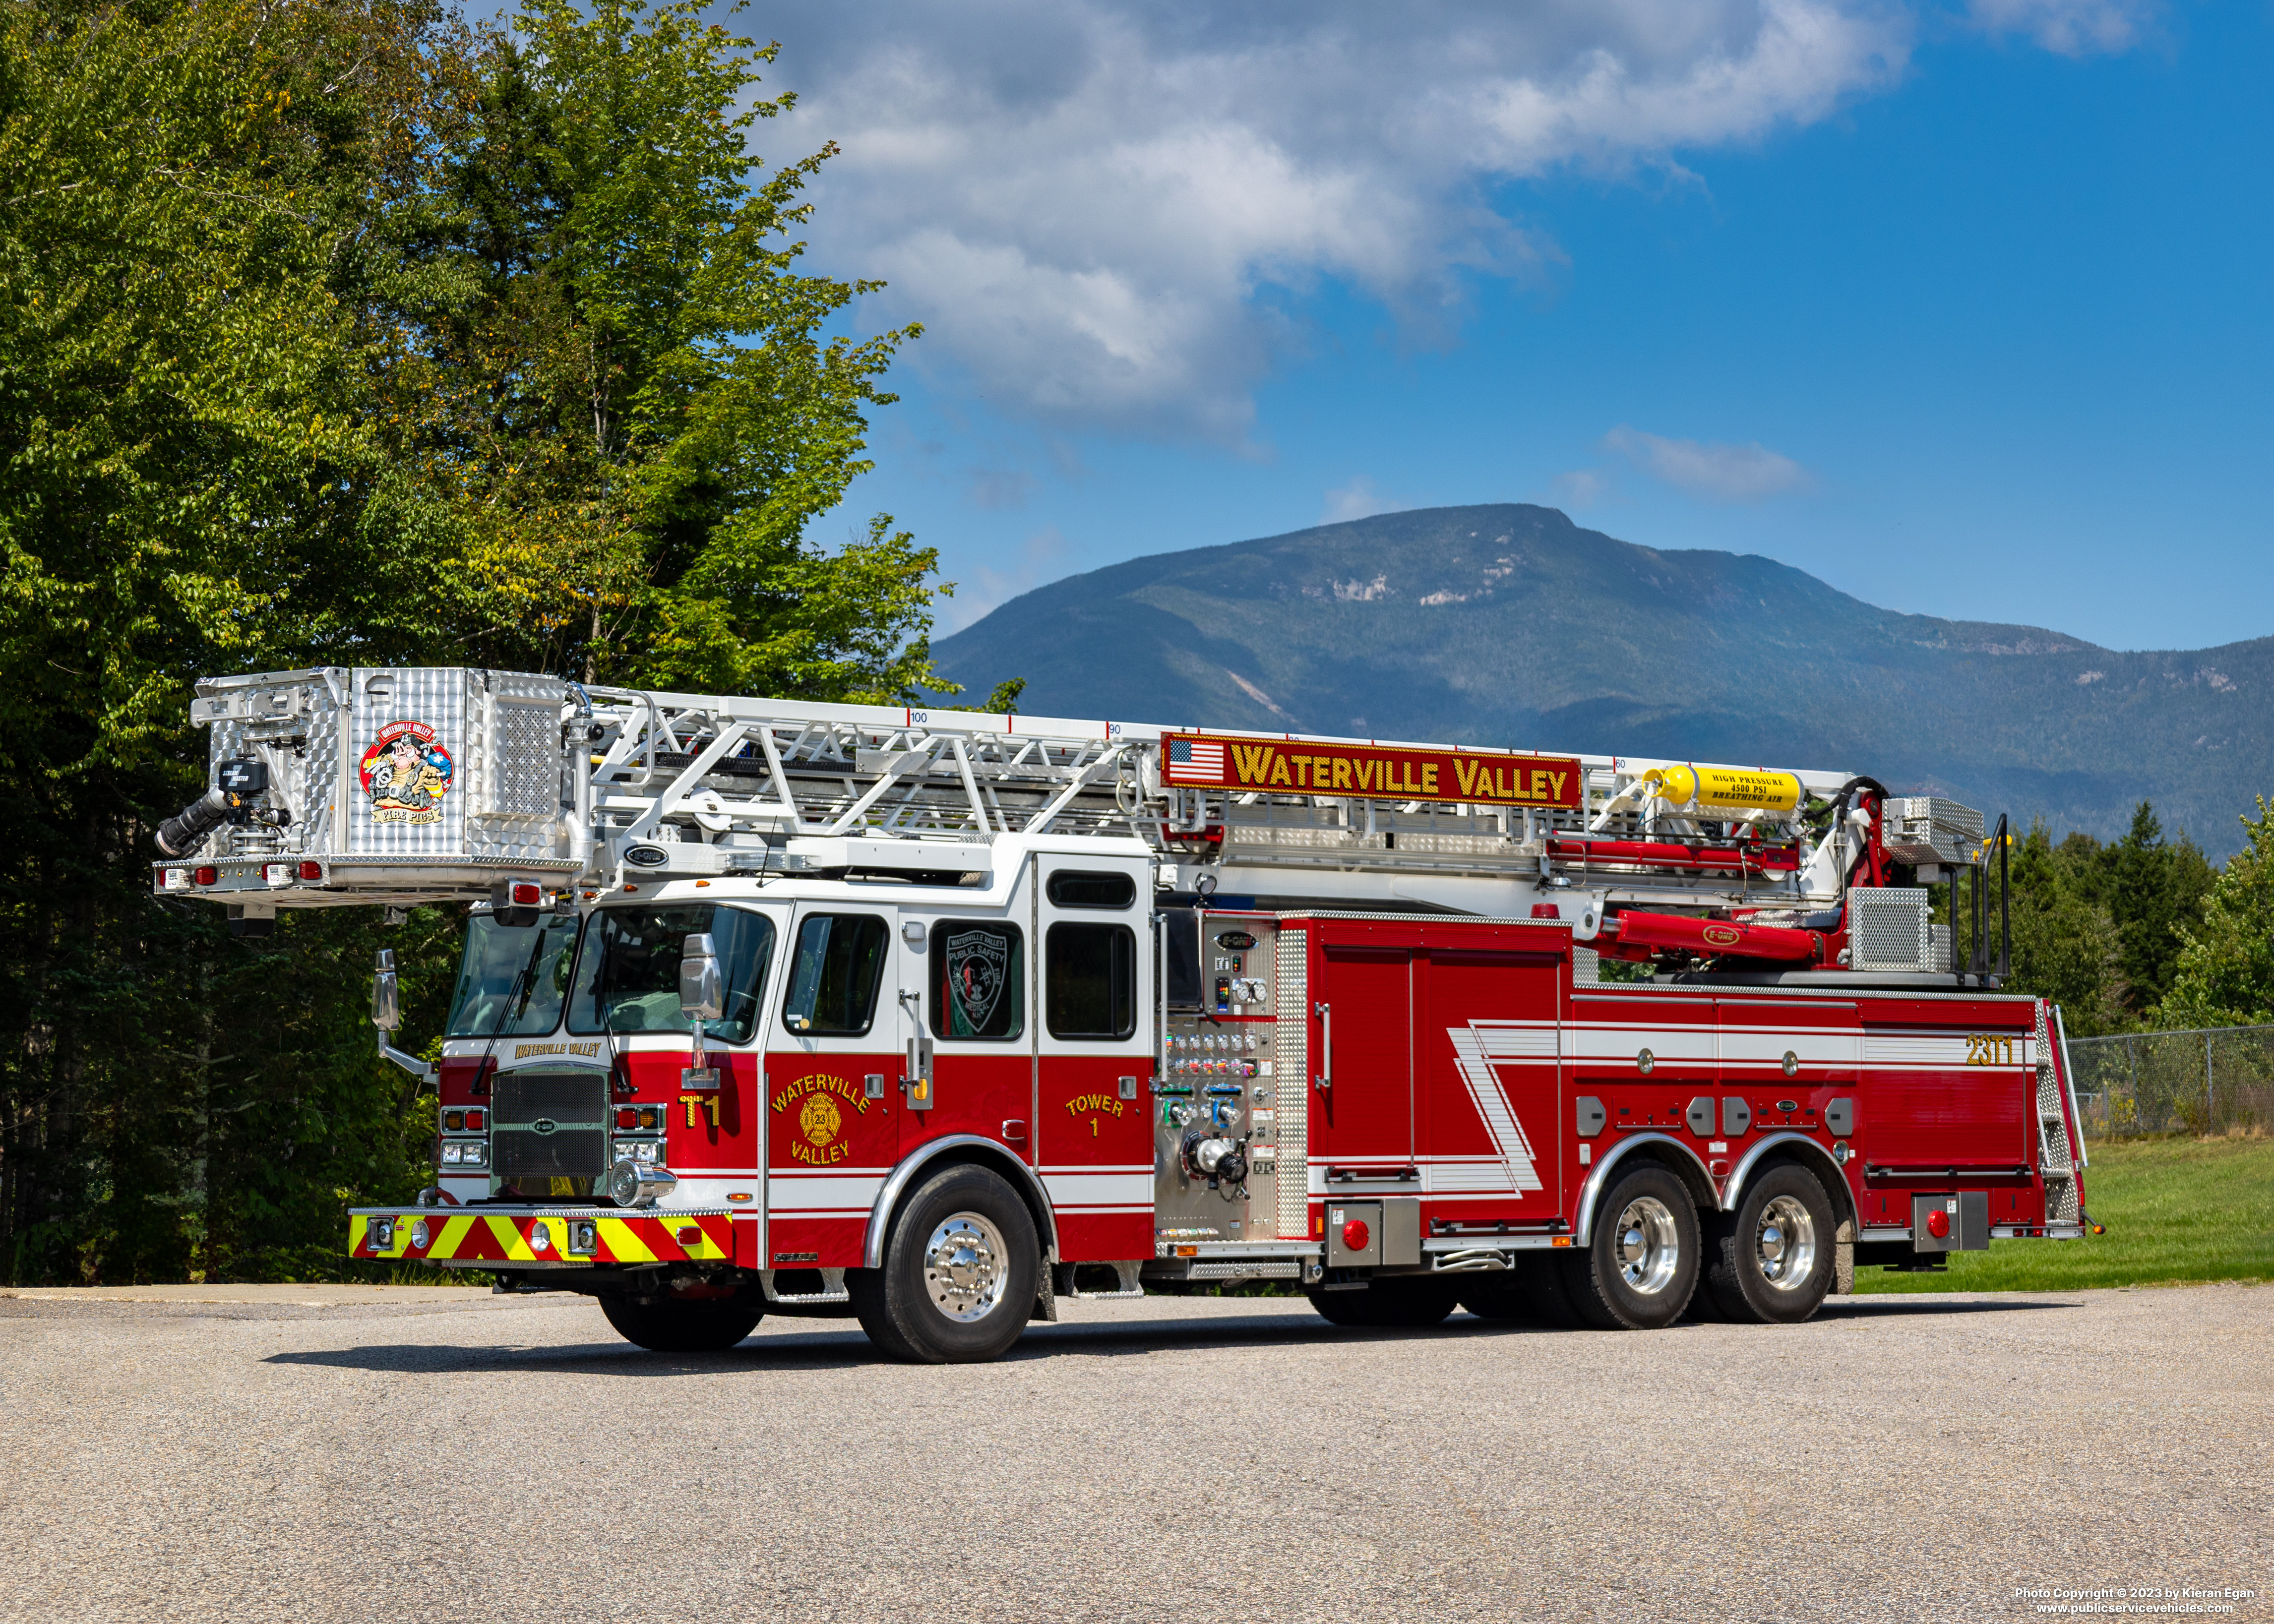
[934, 1018]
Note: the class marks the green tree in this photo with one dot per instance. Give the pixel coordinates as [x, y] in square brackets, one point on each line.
[2152, 888]
[336, 331]
[630, 403]
[2225, 971]
[2065, 946]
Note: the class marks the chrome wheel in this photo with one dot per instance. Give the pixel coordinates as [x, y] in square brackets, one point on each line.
[965, 1267]
[1649, 1246]
[1784, 1244]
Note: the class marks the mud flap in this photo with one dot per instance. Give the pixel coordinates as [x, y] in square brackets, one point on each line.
[1046, 1297]
[1843, 1260]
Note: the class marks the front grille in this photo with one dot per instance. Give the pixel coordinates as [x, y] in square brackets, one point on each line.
[550, 1121]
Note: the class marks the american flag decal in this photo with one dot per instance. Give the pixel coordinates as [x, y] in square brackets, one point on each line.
[1195, 760]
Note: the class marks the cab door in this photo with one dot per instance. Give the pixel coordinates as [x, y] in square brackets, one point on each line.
[1092, 1137]
[831, 1093]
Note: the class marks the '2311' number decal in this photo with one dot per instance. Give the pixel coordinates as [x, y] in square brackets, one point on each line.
[1991, 1049]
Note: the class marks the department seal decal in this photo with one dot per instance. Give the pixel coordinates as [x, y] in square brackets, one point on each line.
[406, 772]
[820, 1120]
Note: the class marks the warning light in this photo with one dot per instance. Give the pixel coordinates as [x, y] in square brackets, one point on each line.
[474, 1120]
[208, 876]
[527, 893]
[1938, 1224]
[627, 1116]
[311, 871]
[1355, 1235]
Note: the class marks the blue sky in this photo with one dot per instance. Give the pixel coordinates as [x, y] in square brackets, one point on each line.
[1963, 310]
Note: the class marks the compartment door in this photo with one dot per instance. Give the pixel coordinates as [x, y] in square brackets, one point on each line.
[1489, 1058]
[1362, 1066]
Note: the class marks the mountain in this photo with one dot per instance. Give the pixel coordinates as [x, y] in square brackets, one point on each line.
[1509, 625]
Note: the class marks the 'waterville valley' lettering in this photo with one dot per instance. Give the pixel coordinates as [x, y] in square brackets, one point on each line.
[1372, 773]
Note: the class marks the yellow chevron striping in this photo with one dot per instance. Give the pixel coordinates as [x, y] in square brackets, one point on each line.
[356, 1229]
[509, 1238]
[453, 1235]
[623, 1242]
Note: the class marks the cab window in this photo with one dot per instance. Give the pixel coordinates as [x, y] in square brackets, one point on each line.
[978, 981]
[834, 974]
[1075, 890]
[628, 975]
[1089, 974]
[511, 979]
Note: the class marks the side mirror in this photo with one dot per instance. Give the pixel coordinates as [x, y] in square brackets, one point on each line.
[386, 1003]
[701, 990]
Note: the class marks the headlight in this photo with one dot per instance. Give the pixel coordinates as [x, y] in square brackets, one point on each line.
[451, 1153]
[644, 1153]
[476, 1154]
[419, 1234]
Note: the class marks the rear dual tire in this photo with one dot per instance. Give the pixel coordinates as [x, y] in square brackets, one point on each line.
[1640, 1265]
[1771, 1261]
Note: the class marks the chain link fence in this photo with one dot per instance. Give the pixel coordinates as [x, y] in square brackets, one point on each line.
[2198, 1082]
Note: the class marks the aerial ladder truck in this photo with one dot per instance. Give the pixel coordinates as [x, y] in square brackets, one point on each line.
[935, 1018]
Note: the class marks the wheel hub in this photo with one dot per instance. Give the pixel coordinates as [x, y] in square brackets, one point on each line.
[1784, 1244]
[1649, 1246]
[964, 1268]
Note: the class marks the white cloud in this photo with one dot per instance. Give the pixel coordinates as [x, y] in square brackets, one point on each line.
[1583, 487]
[981, 591]
[1725, 473]
[1083, 200]
[1358, 500]
[2072, 27]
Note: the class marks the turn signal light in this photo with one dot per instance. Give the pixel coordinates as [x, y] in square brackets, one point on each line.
[1355, 1235]
[1938, 1224]
[453, 1121]
[648, 1116]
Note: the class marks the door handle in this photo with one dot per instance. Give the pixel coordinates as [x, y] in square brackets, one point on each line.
[917, 1079]
[1325, 1080]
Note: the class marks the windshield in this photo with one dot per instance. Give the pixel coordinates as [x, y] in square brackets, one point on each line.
[511, 979]
[633, 955]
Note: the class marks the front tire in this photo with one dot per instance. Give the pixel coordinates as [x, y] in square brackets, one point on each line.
[961, 1271]
[1641, 1266]
[1771, 1261]
[684, 1325]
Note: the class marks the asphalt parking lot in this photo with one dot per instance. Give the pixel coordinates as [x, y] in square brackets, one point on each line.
[359, 1454]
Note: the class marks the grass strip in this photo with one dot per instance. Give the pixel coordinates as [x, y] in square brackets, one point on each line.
[2176, 1209]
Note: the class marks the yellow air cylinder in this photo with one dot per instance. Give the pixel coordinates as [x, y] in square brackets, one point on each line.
[1719, 791]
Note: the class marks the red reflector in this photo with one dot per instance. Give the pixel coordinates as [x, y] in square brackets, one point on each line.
[311, 871]
[626, 1117]
[527, 894]
[690, 1235]
[1355, 1235]
[208, 876]
[1938, 1223]
[474, 1120]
